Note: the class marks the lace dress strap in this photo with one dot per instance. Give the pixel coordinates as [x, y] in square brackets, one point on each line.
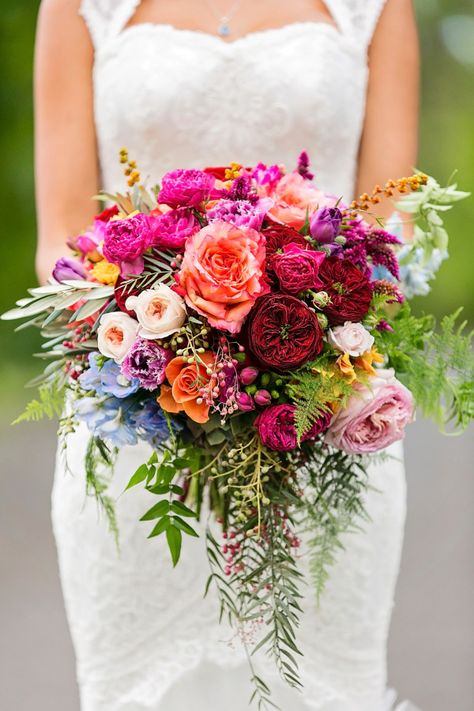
[106, 18]
[357, 18]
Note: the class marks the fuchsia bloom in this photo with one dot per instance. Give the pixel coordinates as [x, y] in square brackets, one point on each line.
[242, 213]
[276, 427]
[125, 242]
[375, 416]
[172, 229]
[297, 268]
[186, 188]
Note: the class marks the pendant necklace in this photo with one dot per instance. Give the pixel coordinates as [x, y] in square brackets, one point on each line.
[223, 21]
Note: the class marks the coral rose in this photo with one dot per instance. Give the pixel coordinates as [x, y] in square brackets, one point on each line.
[295, 197]
[222, 273]
[375, 416]
[186, 381]
[283, 333]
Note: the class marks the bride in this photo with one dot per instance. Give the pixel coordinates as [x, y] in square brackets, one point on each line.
[188, 83]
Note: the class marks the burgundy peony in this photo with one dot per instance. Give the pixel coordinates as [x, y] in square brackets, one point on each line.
[349, 290]
[325, 224]
[278, 236]
[283, 333]
[125, 242]
[186, 188]
[297, 268]
[172, 229]
[277, 431]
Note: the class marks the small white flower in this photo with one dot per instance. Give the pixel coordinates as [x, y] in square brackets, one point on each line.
[160, 311]
[116, 335]
[351, 338]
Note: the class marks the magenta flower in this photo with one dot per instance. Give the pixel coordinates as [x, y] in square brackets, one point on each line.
[125, 242]
[245, 402]
[147, 362]
[277, 431]
[242, 213]
[263, 398]
[186, 188]
[267, 176]
[248, 375]
[172, 229]
[304, 165]
[297, 268]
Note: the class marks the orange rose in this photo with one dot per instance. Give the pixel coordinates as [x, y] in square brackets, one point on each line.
[187, 380]
[222, 273]
[295, 198]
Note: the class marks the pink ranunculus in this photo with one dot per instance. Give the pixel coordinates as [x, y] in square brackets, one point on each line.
[222, 273]
[277, 431]
[186, 188]
[296, 198]
[125, 242]
[172, 229]
[375, 416]
[297, 268]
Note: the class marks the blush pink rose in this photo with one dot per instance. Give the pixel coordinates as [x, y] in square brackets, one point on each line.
[222, 273]
[375, 416]
[295, 198]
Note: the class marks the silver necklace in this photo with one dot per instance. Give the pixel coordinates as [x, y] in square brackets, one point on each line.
[223, 21]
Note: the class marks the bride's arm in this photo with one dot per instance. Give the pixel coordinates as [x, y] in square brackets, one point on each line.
[390, 137]
[65, 145]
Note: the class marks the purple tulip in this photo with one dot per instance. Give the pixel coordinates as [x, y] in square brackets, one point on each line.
[325, 224]
[248, 375]
[245, 402]
[263, 398]
[67, 268]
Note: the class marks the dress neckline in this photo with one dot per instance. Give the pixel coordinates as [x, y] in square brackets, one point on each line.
[219, 42]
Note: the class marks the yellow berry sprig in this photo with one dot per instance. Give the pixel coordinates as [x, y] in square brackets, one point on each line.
[402, 185]
[130, 171]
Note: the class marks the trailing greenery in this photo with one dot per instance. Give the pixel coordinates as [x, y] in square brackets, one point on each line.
[99, 457]
[435, 363]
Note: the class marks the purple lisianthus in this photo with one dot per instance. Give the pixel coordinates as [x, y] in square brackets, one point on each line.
[146, 361]
[277, 431]
[242, 213]
[186, 188]
[325, 224]
[172, 229]
[67, 268]
[125, 242]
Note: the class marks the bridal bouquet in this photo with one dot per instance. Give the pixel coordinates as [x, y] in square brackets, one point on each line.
[256, 333]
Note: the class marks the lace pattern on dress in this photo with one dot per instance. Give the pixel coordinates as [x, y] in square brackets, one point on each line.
[357, 17]
[106, 18]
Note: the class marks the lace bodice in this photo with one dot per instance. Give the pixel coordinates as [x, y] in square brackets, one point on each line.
[178, 98]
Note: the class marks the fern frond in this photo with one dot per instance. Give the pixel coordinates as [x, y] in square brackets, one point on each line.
[49, 404]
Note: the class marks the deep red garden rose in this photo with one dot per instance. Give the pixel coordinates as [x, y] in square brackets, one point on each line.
[106, 214]
[121, 294]
[297, 268]
[277, 238]
[282, 332]
[277, 431]
[349, 290]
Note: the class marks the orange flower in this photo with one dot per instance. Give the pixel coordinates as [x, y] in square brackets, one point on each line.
[187, 380]
[366, 359]
[346, 367]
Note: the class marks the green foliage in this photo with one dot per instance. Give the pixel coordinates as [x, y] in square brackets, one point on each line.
[49, 404]
[436, 364]
[333, 506]
[98, 456]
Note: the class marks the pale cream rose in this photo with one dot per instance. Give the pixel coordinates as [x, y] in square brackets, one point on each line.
[351, 338]
[160, 311]
[116, 335]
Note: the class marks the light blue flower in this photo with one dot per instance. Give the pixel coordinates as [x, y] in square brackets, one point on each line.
[416, 271]
[104, 417]
[150, 422]
[108, 379]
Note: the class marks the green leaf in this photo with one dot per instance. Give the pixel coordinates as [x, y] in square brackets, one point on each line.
[216, 437]
[174, 538]
[185, 527]
[161, 527]
[139, 476]
[181, 509]
[156, 511]
[153, 459]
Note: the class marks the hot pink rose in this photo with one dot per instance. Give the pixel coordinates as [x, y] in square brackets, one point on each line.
[374, 417]
[297, 268]
[294, 198]
[222, 273]
[172, 229]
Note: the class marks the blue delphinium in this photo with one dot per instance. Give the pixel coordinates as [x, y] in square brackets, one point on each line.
[104, 417]
[150, 423]
[108, 379]
[416, 274]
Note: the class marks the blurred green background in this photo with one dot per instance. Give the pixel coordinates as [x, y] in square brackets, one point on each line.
[447, 143]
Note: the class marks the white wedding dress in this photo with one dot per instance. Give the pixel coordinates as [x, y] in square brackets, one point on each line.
[144, 637]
